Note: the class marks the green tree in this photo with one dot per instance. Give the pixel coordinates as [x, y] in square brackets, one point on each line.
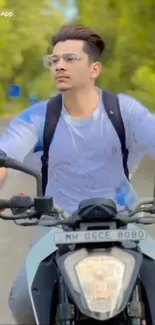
[128, 29]
[25, 38]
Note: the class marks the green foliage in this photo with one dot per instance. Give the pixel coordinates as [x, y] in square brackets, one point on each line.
[128, 28]
[25, 38]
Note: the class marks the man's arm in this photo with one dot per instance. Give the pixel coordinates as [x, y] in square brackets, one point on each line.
[22, 135]
[140, 124]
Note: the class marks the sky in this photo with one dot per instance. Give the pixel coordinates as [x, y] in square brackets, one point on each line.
[71, 11]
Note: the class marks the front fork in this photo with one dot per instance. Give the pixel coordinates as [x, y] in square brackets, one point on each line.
[65, 310]
[136, 309]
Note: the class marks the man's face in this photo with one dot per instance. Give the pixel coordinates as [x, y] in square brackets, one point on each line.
[71, 66]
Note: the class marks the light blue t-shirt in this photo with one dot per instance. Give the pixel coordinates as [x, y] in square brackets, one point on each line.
[85, 158]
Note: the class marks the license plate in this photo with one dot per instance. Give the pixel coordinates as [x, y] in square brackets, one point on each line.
[93, 236]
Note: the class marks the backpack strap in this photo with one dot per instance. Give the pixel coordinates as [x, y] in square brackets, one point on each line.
[53, 113]
[111, 105]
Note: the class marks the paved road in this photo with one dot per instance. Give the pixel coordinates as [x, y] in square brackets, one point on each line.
[14, 240]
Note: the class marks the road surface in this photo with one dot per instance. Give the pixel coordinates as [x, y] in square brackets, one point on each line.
[14, 240]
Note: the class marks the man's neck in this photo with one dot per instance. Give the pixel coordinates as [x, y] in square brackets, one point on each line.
[81, 103]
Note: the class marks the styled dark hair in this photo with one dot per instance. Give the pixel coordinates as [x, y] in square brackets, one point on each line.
[93, 43]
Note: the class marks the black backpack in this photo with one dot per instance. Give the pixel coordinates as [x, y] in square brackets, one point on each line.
[53, 112]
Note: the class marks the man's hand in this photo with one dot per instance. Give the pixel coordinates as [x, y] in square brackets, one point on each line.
[3, 175]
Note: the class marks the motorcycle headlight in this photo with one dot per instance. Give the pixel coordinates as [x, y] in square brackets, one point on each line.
[100, 278]
[99, 281]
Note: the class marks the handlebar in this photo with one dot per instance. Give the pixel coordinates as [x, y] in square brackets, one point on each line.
[17, 202]
[4, 204]
[41, 211]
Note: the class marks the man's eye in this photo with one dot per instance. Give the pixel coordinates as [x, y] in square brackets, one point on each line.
[54, 61]
[71, 59]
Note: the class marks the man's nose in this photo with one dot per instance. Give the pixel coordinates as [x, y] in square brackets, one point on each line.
[61, 65]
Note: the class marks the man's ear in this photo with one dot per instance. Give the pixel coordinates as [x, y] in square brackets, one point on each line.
[96, 69]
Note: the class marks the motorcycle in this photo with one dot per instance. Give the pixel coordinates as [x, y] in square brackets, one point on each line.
[98, 274]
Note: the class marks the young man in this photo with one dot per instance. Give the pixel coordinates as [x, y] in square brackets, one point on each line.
[85, 158]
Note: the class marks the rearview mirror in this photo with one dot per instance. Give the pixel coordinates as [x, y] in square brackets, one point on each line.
[8, 162]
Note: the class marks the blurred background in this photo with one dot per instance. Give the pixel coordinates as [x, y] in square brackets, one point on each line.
[128, 28]
[26, 27]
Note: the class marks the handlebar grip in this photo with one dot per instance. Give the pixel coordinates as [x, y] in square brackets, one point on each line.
[17, 202]
[5, 204]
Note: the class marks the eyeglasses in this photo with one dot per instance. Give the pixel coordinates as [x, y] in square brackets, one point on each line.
[51, 60]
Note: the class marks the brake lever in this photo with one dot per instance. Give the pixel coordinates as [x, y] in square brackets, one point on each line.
[26, 224]
[153, 208]
[26, 215]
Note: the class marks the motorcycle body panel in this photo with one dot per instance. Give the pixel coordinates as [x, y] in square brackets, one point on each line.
[42, 275]
[43, 290]
[39, 252]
